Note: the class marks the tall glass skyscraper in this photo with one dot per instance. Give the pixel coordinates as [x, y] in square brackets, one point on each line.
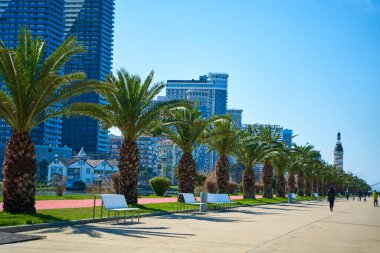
[44, 18]
[91, 22]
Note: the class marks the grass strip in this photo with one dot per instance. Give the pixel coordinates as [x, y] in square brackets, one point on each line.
[46, 216]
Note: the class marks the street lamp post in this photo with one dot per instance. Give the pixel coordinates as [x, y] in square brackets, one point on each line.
[100, 178]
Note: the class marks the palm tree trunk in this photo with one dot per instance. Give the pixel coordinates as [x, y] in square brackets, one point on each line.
[187, 169]
[129, 170]
[308, 185]
[222, 169]
[268, 180]
[280, 185]
[249, 179]
[291, 183]
[20, 173]
[300, 184]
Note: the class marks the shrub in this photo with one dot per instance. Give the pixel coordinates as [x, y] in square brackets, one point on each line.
[160, 185]
[198, 189]
[116, 182]
[200, 179]
[60, 184]
[79, 185]
[210, 184]
[232, 187]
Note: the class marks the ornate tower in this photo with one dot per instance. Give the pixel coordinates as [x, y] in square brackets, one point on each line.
[338, 153]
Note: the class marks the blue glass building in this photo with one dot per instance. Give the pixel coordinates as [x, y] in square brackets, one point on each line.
[91, 22]
[210, 91]
[44, 18]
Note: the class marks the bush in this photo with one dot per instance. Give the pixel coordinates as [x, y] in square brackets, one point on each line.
[60, 184]
[198, 189]
[160, 185]
[116, 182]
[210, 184]
[79, 185]
[232, 187]
[200, 179]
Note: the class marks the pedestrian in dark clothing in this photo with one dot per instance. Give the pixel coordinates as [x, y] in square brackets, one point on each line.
[347, 194]
[331, 197]
[360, 194]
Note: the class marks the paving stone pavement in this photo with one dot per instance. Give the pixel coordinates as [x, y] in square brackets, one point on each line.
[301, 227]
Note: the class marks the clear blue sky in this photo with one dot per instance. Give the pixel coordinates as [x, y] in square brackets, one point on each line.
[311, 66]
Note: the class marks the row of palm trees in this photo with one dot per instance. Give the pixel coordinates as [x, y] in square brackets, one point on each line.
[36, 90]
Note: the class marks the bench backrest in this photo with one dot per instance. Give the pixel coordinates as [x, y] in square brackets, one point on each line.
[111, 201]
[189, 198]
[293, 195]
[218, 198]
[315, 194]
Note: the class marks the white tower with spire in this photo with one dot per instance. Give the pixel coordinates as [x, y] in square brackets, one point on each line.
[338, 153]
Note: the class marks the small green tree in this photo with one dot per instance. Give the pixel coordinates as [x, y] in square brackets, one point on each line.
[160, 185]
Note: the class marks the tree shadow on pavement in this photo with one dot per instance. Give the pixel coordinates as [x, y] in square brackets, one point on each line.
[118, 230]
[201, 217]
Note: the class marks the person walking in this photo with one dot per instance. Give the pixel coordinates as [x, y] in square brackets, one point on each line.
[375, 196]
[347, 194]
[360, 194]
[331, 197]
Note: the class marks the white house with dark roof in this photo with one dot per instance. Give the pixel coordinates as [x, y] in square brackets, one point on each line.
[81, 169]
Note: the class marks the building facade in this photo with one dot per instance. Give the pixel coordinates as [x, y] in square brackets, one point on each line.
[92, 23]
[44, 155]
[287, 136]
[338, 153]
[169, 155]
[45, 19]
[85, 170]
[210, 91]
[236, 116]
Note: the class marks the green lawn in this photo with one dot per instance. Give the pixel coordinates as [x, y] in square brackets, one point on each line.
[45, 216]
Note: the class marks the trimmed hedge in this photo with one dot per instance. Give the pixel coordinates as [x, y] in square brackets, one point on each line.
[160, 185]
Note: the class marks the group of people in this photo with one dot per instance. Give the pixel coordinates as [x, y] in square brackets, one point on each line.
[331, 197]
[360, 194]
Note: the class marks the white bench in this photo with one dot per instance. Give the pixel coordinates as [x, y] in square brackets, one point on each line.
[221, 200]
[315, 195]
[117, 203]
[189, 199]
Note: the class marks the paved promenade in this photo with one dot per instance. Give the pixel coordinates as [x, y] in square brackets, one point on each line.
[303, 227]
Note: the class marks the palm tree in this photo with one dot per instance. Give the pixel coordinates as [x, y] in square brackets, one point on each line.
[129, 109]
[33, 91]
[250, 151]
[307, 157]
[282, 161]
[271, 137]
[222, 138]
[294, 167]
[187, 128]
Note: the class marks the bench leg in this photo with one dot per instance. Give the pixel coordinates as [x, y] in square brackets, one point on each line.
[125, 217]
[138, 218]
[118, 216]
[132, 216]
